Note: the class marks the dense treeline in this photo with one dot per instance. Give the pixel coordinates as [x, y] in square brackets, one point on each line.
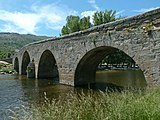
[75, 23]
[118, 58]
[11, 42]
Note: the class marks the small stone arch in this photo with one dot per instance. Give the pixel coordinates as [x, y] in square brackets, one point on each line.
[47, 67]
[25, 62]
[85, 72]
[16, 65]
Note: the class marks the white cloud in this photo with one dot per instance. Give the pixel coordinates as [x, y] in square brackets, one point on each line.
[24, 21]
[94, 5]
[12, 28]
[88, 13]
[91, 1]
[145, 9]
[52, 16]
[119, 12]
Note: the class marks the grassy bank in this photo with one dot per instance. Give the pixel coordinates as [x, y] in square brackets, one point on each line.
[102, 106]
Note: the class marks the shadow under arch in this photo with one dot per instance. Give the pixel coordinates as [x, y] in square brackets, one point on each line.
[47, 67]
[85, 73]
[16, 65]
[25, 62]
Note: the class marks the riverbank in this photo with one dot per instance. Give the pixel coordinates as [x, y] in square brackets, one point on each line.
[127, 105]
[6, 68]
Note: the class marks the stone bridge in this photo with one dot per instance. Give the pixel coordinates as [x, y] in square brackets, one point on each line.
[73, 59]
[8, 60]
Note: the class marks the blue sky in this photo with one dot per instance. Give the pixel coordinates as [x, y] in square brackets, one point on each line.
[46, 17]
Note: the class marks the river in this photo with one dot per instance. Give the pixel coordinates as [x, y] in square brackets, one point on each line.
[16, 91]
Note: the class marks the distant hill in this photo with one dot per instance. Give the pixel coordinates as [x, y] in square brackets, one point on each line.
[12, 42]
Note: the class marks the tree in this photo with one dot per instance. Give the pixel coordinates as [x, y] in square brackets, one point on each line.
[71, 26]
[104, 17]
[64, 30]
[84, 23]
[109, 16]
[73, 23]
[97, 18]
[9, 55]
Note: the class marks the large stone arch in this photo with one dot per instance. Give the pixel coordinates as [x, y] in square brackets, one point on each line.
[16, 65]
[85, 72]
[25, 62]
[47, 67]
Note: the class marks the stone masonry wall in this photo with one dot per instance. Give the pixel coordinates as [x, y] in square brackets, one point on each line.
[138, 37]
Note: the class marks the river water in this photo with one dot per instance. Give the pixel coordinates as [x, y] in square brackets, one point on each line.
[16, 90]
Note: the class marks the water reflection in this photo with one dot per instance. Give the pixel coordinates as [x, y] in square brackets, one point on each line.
[16, 91]
[120, 79]
[35, 90]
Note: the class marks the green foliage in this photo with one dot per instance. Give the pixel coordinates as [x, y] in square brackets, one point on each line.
[71, 26]
[109, 16]
[74, 23]
[10, 42]
[98, 18]
[127, 105]
[118, 57]
[104, 17]
[65, 30]
[84, 23]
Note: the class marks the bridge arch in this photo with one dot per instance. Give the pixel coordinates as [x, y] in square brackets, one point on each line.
[47, 67]
[85, 72]
[16, 65]
[25, 62]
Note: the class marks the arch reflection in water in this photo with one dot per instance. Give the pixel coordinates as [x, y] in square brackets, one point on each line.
[37, 90]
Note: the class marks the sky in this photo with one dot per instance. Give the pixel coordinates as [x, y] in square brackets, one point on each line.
[47, 17]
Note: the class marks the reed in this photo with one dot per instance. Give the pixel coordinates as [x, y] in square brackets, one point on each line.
[126, 105]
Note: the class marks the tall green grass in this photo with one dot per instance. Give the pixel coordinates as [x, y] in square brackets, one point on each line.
[126, 105]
